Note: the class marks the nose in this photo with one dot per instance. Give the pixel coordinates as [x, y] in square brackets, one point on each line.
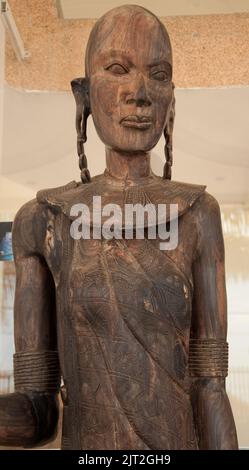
[138, 93]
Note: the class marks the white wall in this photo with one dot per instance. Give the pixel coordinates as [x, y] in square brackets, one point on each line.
[12, 194]
[1, 141]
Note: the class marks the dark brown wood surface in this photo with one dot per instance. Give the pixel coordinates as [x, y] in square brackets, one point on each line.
[122, 314]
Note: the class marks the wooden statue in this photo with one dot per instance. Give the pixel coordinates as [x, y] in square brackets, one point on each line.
[138, 334]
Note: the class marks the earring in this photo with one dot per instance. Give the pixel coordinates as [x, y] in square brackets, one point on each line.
[80, 88]
[168, 135]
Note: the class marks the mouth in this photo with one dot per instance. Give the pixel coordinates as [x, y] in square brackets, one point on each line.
[137, 122]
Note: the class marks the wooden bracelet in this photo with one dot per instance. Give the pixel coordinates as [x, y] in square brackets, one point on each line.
[208, 358]
[36, 371]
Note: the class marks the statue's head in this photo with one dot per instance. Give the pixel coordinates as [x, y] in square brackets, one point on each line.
[128, 85]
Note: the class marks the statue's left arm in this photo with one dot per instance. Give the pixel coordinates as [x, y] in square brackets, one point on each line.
[29, 415]
[208, 353]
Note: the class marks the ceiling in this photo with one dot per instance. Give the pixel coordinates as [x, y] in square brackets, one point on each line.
[211, 143]
[72, 9]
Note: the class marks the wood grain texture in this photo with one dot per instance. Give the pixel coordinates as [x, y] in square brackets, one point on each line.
[122, 313]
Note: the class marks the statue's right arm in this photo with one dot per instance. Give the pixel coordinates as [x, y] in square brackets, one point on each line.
[29, 415]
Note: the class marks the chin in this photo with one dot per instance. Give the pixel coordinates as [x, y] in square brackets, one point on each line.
[140, 146]
[135, 142]
[131, 148]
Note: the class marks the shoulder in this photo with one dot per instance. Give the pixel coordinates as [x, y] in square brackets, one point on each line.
[23, 229]
[49, 194]
[26, 216]
[62, 198]
[31, 221]
[185, 195]
[207, 208]
[29, 228]
[209, 227]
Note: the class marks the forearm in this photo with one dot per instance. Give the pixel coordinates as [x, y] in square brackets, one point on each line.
[214, 423]
[27, 419]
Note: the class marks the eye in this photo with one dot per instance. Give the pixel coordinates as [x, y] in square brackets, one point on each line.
[161, 75]
[117, 69]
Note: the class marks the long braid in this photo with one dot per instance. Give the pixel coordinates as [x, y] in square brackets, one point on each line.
[167, 169]
[80, 88]
[168, 135]
[84, 172]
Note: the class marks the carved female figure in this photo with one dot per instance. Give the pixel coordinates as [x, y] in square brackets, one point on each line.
[138, 334]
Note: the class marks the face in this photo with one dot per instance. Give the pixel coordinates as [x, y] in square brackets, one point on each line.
[130, 72]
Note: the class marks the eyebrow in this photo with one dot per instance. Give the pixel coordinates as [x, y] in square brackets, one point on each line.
[113, 53]
[116, 53]
[160, 62]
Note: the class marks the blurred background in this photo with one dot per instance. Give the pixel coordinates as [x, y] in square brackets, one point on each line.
[42, 47]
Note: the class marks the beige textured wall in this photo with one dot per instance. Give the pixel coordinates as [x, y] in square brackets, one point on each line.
[2, 46]
[209, 51]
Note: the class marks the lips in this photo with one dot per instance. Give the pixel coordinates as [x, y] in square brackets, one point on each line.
[135, 121]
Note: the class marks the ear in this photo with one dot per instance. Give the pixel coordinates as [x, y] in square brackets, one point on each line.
[80, 89]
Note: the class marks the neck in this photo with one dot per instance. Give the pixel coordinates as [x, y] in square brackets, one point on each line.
[127, 166]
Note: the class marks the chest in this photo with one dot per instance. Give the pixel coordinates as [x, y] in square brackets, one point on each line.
[133, 275]
[116, 276]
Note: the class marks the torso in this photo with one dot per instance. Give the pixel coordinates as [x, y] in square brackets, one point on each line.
[124, 318]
